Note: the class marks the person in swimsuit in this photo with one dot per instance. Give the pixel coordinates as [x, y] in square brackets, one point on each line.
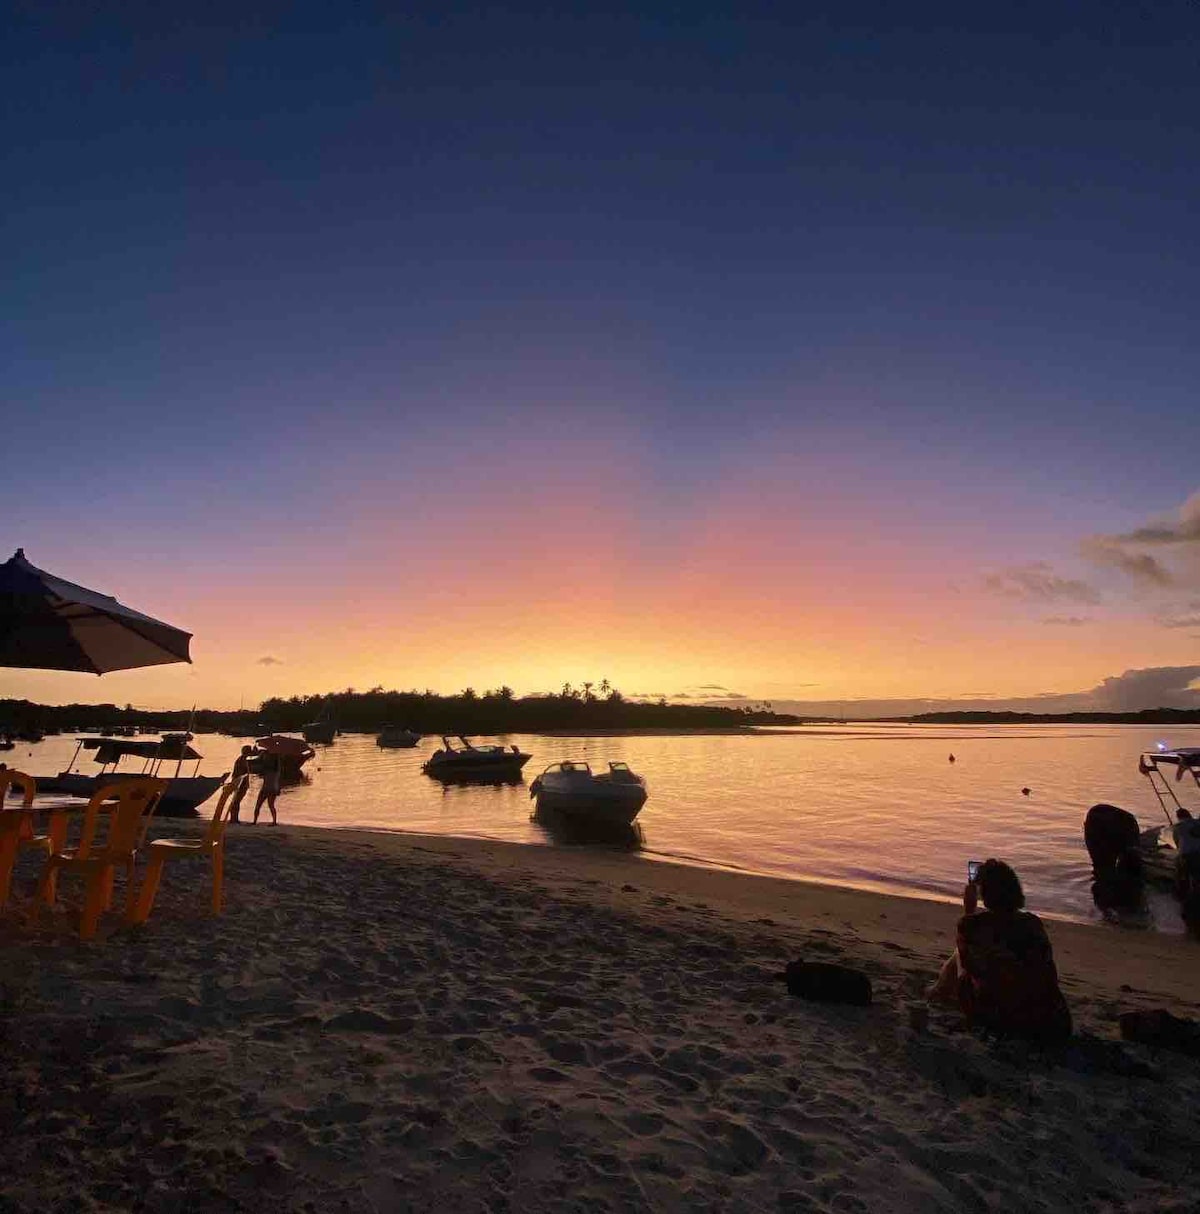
[270, 770]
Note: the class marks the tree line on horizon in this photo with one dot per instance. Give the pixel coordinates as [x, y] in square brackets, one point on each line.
[594, 705]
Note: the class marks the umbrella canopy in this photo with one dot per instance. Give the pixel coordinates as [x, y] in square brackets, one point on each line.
[47, 623]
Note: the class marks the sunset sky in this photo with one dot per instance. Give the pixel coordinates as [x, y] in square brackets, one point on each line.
[824, 358]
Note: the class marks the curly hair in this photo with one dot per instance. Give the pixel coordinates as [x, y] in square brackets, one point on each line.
[1000, 887]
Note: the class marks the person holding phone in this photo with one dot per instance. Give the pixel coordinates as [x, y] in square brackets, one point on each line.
[1002, 974]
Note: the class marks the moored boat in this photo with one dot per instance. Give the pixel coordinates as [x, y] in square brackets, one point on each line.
[293, 754]
[468, 760]
[184, 793]
[573, 790]
[323, 732]
[392, 737]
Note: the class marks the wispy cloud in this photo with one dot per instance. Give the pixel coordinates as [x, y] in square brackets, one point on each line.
[1142, 567]
[1126, 550]
[268, 660]
[1183, 529]
[1066, 621]
[1036, 582]
[1182, 621]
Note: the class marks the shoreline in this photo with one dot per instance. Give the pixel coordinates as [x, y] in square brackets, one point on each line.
[382, 1021]
[893, 923]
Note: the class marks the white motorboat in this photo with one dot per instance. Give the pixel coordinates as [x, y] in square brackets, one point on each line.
[572, 789]
[391, 737]
[469, 761]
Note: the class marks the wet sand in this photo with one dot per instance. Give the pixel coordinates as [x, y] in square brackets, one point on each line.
[401, 1022]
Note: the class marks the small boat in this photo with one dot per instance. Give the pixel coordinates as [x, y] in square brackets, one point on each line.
[571, 789]
[319, 731]
[184, 793]
[6, 743]
[392, 737]
[293, 754]
[468, 761]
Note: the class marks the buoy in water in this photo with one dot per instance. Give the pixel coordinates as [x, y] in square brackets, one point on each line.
[951, 758]
[1024, 792]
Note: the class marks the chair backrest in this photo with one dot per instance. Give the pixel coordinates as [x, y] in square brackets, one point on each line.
[137, 798]
[217, 823]
[8, 778]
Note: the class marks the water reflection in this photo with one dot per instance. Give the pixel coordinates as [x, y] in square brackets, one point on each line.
[482, 779]
[573, 832]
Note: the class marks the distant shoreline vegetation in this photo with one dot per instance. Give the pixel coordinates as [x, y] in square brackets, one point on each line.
[578, 710]
[590, 707]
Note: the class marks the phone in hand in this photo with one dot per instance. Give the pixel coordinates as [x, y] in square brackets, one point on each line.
[973, 867]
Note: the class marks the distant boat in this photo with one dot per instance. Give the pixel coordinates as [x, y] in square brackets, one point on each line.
[394, 738]
[468, 761]
[613, 798]
[323, 731]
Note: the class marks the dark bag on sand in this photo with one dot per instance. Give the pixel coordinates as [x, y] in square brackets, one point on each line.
[825, 982]
[1160, 1028]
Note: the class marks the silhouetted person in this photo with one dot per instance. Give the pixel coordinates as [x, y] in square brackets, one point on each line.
[1186, 833]
[1002, 973]
[240, 776]
[271, 770]
[1113, 840]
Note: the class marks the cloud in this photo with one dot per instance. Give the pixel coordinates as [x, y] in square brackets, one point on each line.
[268, 660]
[1182, 621]
[1143, 568]
[1037, 582]
[711, 687]
[1183, 529]
[1067, 621]
[1150, 687]
[1131, 691]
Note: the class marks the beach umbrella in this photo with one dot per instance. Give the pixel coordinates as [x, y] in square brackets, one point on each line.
[48, 623]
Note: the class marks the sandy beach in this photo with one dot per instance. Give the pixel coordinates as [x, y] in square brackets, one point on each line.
[400, 1022]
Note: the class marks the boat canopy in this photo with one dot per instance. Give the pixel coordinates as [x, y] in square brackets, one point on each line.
[113, 750]
[281, 744]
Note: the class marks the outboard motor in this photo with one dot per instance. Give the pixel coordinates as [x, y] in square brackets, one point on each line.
[1113, 838]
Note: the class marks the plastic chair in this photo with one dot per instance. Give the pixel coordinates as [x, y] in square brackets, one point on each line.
[27, 837]
[137, 798]
[16, 827]
[211, 844]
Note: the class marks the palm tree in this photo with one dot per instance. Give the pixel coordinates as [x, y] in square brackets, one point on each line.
[605, 687]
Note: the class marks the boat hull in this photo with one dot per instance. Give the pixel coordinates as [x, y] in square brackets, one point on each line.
[600, 807]
[320, 732]
[181, 800]
[488, 767]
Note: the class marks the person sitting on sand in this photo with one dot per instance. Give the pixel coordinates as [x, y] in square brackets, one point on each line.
[1002, 974]
[270, 770]
[240, 778]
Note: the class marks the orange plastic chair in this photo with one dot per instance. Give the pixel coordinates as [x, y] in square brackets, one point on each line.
[16, 827]
[137, 799]
[211, 844]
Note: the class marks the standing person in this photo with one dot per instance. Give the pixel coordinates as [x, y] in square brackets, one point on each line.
[240, 778]
[270, 768]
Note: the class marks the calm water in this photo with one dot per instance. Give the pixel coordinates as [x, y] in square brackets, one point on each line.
[874, 806]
